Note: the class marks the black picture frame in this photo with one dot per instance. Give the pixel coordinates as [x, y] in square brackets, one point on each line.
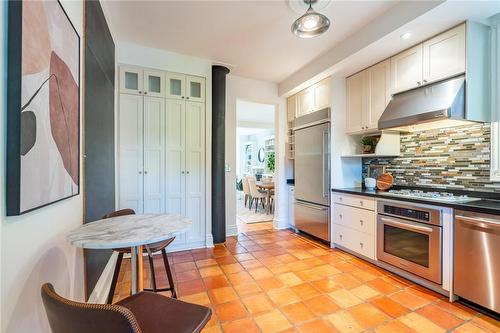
[14, 91]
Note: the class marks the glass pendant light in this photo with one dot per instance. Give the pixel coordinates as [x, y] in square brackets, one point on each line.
[311, 24]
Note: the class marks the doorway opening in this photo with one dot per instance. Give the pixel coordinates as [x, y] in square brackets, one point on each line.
[255, 165]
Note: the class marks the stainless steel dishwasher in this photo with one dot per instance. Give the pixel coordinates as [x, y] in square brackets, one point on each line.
[477, 258]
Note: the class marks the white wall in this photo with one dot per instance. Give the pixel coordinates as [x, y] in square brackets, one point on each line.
[33, 246]
[249, 90]
[138, 55]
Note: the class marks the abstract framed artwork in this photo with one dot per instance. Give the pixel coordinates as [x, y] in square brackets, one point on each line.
[43, 106]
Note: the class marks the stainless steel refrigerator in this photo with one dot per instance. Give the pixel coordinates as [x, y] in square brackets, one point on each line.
[312, 174]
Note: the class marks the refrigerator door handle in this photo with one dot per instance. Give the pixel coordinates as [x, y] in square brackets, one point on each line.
[324, 154]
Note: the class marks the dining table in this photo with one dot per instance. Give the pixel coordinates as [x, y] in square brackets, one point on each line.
[130, 231]
[268, 187]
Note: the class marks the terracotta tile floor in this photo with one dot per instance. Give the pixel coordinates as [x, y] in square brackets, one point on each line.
[276, 281]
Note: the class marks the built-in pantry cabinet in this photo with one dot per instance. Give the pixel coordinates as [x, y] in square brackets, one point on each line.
[161, 146]
[369, 91]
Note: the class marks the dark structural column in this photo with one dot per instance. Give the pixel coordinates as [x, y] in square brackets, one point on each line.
[218, 153]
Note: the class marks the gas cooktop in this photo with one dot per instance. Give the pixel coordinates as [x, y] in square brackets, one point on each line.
[433, 196]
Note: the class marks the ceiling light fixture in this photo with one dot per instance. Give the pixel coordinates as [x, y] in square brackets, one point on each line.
[311, 24]
[406, 35]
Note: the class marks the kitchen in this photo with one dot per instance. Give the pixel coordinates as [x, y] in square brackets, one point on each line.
[414, 181]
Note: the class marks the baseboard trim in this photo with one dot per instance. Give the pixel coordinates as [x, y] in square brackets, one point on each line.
[231, 230]
[209, 240]
[100, 292]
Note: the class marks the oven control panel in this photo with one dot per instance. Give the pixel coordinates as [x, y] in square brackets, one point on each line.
[407, 212]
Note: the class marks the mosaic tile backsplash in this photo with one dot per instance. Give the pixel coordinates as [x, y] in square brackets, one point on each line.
[449, 158]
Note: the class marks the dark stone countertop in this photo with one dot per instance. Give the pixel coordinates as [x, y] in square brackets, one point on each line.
[485, 205]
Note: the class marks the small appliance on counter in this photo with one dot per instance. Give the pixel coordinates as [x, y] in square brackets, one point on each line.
[370, 183]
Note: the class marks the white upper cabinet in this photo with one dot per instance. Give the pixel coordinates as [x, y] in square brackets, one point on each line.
[195, 89]
[368, 93]
[291, 108]
[311, 99]
[407, 69]
[356, 100]
[378, 90]
[131, 80]
[444, 55]
[322, 92]
[176, 86]
[154, 82]
[305, 102]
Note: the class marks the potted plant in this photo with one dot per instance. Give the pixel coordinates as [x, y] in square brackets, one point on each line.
[369, 144]
[270, 162]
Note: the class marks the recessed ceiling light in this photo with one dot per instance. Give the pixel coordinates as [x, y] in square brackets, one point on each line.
[406, 35]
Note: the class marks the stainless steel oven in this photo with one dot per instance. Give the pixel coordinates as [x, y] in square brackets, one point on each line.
[409, 236]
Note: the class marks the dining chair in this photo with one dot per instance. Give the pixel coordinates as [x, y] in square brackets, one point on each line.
[256, 195]
[151, 248]
[144, 312]
[246, 190]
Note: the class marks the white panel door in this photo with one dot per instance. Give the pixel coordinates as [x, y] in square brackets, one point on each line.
[154, 151]
[195, 89]
[130, 141]
[176, 86]
[154, 82]
[322, 95]
[305, 102]
[407, 69]
[444, 55]
[378, 89]
[195, 169]
[131, 80]
[175, 156]
[355, 102]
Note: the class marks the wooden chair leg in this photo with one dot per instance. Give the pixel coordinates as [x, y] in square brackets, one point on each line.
[152, 270]
[115, 278]
[169, 273]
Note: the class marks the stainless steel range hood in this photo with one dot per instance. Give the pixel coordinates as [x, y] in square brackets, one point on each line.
[441, 102]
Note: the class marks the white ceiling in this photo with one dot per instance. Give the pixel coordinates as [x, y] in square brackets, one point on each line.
[249, 114]
[252, 37]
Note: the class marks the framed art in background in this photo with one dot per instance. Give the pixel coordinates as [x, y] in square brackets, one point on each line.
[43, 107]
[375, 170]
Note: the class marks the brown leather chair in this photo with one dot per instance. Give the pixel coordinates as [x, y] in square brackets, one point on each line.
[151, 248]
[145, 312]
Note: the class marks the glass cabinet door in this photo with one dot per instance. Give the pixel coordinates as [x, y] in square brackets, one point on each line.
[153, 83]
[131, 80]
[195, 87]
[176, 86]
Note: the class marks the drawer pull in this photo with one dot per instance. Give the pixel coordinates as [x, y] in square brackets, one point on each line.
[361, 202]
[361, 221]
[361, 244]
[340, 215]
[340, 236]
[340, 198]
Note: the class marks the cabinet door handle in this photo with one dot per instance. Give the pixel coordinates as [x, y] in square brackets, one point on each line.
[187, 172]
[361, 244]
[182, 97]
[145, 172]
[419, 83]
[140, 92]
[182, 172]
[340, 236]
[361, 202]
[361, 221]
[425, 81]
[340, 215]
[140, 172]
[145, 93]
[340, 198]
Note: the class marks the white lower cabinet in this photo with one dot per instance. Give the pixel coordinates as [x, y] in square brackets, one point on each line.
[354, 225]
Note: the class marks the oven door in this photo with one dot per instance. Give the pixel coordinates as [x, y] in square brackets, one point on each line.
[412, 246]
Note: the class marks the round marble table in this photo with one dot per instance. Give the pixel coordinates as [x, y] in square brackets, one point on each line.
[132, 231]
